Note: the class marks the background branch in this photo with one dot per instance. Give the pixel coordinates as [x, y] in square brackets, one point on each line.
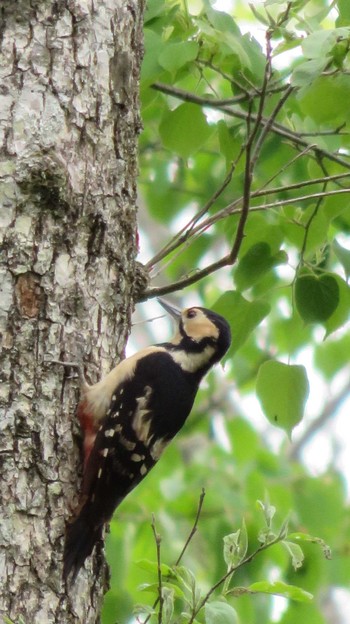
[277, 128]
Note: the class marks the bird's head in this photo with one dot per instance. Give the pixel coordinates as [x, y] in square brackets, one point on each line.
[202, 337]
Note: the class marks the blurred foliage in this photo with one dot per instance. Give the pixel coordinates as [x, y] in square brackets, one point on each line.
[287, 299]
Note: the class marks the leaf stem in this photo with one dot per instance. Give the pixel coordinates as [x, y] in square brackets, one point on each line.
[194, 528]
[158, 540]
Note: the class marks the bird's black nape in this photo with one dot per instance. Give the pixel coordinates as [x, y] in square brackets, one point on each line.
[224, 338]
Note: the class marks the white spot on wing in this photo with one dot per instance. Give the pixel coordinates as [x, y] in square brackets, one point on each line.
[136, 457]
[104, 453]
[99, 474]
[109, 433]
[127, 443]
[158, 448]
[200, 326]
[140, 423]
[143, 469]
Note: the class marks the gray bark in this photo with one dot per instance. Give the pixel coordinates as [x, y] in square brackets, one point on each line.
[69, 121]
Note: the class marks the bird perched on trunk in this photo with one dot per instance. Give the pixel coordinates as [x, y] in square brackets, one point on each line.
[130, 416]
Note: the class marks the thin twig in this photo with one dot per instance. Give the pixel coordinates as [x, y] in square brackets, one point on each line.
[248, 175]
[192, 532]
[232, 208]
[284, 168]
[158, 291]
[185, 232]
[158, 540]
[268, 126]
[277, 128]
[307, 229]
[231, 571]
[194, 528]
[335, 132]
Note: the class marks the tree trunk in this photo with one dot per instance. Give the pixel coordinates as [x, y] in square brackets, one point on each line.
[69, 119]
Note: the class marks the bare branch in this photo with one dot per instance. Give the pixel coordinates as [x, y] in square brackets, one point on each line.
[277, 128]
[233, 208]
[194, 528]
[196, 276]
[184, 233]
[192, 532]
[231, 571]
[158, 540]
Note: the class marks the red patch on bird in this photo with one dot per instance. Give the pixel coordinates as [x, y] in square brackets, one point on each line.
[89, 429]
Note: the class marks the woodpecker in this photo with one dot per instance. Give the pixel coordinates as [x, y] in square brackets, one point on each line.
[130, 416]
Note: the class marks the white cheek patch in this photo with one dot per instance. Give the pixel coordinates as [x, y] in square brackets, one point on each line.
[200, 327]
[191, 362]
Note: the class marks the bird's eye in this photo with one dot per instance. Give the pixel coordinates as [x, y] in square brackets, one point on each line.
[191, 314]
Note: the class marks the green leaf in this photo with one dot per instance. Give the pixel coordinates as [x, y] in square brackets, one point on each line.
[187, 580]
[295, 552]
[175, 55]
[278, 588]
[324, 99]
[267, 509]
[153, 9]
[150, 66]
[229, 143]
[255, 263]
[242, 315]
[304, 537]
[307, 72]
[321, 42]
[343, 8]
[282, 390]
[218, 612]
[152, 566]
[343, 256]
[185, 129]
[236, 546]
[342, 313]
[152, 588]
[168, 604]
[316, 297]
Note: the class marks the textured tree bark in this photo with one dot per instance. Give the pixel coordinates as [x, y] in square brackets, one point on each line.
[69, 120]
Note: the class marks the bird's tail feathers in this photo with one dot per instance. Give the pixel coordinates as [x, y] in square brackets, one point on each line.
[81, 537]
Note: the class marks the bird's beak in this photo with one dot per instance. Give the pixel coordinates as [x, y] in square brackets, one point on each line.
[172, 310]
